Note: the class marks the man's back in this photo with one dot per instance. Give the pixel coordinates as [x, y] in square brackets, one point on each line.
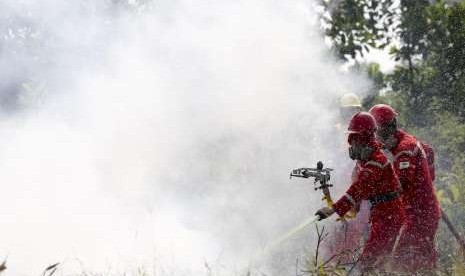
[416, 248]
[412, 169]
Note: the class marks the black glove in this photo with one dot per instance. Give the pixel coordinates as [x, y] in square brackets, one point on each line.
[324, 212]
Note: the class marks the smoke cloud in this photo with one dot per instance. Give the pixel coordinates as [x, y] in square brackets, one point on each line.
[160, 135]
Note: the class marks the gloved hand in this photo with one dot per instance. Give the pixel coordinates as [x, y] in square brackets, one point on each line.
[324, 212]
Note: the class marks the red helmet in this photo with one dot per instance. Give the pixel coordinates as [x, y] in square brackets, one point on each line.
[383, 114]
[362, 123]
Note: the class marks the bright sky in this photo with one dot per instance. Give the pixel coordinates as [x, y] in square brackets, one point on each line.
[382, 57]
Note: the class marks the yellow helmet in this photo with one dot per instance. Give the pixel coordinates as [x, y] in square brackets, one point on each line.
[350, 100]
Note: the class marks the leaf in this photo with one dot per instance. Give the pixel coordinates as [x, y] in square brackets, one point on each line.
[455, 192]
[321, 271]
[51, 269]
[459, 267]
[52, 266]
[3, 266]
[441, 195]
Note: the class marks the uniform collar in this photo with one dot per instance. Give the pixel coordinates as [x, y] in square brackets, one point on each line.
[400, 133]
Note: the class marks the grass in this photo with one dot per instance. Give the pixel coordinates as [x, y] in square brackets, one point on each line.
[312, 265]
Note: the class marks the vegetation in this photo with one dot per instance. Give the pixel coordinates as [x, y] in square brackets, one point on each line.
[427, 86]
[427, 40]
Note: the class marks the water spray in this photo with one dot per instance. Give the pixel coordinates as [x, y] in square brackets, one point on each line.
[321, 177]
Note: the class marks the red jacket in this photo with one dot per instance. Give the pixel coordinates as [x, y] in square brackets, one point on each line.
[375, 180]
[410, 162]
[370, 179]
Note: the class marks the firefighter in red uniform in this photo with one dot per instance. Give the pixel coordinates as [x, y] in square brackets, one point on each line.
[410, 158]
[349, 235]
[373, 180]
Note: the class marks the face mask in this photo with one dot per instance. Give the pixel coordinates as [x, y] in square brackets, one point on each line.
[359, 152]
[386, 135]
[353, 153]
[390, 142]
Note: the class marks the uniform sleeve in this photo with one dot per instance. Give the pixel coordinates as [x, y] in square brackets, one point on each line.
[358, 190]
[430, 157]
[406, 165]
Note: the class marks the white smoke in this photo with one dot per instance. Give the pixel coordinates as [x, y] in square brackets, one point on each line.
[160, 136]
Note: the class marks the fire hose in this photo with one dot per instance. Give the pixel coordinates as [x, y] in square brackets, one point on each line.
[321, 177]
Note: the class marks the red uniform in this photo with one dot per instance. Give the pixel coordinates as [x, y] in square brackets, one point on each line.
[430, 158]
[374, 180]
[347, 236]
[416, 247]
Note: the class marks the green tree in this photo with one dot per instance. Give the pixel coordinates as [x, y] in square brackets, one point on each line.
[427, 87]
[356, 25]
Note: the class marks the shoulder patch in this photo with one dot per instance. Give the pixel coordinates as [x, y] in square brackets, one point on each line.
[404, 165]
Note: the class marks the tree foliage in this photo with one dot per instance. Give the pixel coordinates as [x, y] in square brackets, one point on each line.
[356, 25]
[425, 38]
[427, 86]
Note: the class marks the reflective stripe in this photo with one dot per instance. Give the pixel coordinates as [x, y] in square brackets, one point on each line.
[399, 236]
[389, 155]
[399, 185]
[420, 147]
[408, 152]
[417, 148]
[392, 158]
[376, 164]
[351, 199]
